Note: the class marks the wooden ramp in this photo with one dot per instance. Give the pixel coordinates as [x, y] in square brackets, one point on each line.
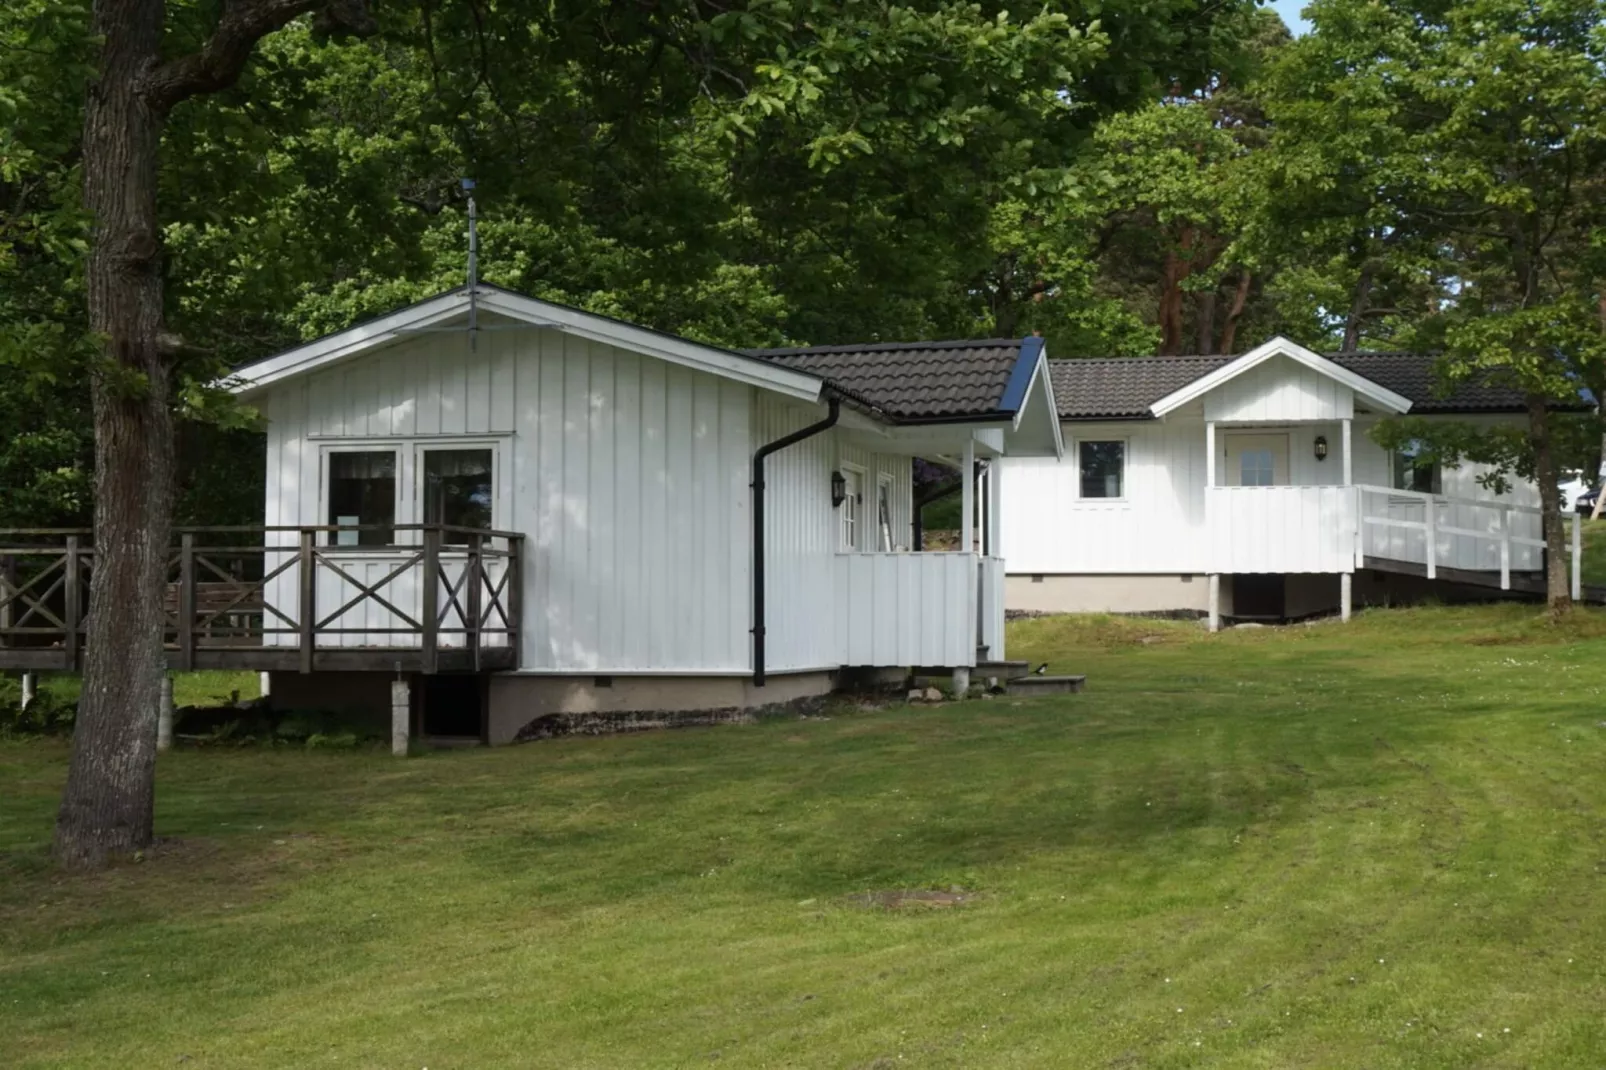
[1519, 585]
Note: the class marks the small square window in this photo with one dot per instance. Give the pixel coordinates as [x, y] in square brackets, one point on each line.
[362, 491]
[1415, 470]
[1103, 468]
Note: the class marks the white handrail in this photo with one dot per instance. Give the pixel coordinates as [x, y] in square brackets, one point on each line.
[1431, 528]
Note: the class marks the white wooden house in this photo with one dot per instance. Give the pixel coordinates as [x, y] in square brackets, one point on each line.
[1250, 486]
[605, 503]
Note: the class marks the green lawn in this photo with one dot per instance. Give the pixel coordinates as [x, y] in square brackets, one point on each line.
[1374, 845]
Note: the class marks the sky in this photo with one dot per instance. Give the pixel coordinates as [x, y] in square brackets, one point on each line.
[1289, 10]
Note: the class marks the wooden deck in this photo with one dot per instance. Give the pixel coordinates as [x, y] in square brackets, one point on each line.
[1518, 584]
[427, 598]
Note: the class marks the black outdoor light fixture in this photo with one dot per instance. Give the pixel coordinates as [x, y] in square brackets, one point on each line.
[1321, 447]
[839, 489]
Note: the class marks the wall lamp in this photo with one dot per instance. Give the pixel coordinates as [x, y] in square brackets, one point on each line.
[1321, 447]
[839, 489]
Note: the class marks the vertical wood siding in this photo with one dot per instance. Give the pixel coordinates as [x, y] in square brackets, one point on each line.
[1160, 525]
[628, 475]
[1279, 389]
[905, 609]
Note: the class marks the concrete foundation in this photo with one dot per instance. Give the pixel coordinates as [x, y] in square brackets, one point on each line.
[1107, 593]
[515, 700]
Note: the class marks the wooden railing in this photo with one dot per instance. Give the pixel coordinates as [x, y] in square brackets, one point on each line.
[284, 597]
[1438, 530]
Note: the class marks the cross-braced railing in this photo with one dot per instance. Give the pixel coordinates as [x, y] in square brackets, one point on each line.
[420, 596]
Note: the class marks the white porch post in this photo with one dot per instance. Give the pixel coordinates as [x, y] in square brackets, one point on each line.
[1349, 459]
[995, 509]
[264, 684]
[164, 715]
[1215, 601]
[1346, 594]
[1577, 588]
[29, 683]
[967, 505]
[1210, 453]
[401, 713]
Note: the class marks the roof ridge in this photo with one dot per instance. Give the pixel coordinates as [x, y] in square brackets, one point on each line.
[882, 347]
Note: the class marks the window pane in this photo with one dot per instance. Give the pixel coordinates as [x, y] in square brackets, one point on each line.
[1413, 472]
[1103, 468]
[1255, 468]
[362, 490]
[457, 490]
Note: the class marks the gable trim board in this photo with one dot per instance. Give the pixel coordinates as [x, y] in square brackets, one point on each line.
[1382, 397]
[434, 313]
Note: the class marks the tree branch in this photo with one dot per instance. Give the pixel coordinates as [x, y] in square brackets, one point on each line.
[244, 22]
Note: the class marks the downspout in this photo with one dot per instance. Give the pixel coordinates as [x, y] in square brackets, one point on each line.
[758, 523]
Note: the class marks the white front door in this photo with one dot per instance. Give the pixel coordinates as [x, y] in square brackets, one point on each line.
[1256, 460]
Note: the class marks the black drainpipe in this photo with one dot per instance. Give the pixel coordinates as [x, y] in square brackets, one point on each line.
[758, 525]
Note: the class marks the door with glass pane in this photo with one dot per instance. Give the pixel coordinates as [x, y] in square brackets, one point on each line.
[1255, 460]
[457, 488]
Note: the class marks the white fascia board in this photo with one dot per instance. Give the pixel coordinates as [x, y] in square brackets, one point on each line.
[366, 337]
[347, 343]
[1279, 346]
[680, 351]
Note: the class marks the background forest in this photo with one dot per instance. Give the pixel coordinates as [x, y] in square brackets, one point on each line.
[1124, 177]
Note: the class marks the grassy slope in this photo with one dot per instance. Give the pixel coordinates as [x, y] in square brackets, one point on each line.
[1324, 846]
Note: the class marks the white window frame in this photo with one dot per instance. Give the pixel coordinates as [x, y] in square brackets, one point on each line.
[480, 442]
[1126, 462]
[398, 508]
[409, 478]
[862, 475]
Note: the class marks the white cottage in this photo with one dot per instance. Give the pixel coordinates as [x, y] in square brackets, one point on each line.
[1249, 486]
[532, 509]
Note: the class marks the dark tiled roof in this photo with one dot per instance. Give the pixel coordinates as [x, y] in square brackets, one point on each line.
[1095, 388]
[912, 380]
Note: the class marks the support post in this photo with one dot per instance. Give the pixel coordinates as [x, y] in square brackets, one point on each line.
[1577, 558]
[73, 602]
[995, 507]
[429, 642]
[30, 686]
[264, 684]
[514, 599]
[164, 715]
[1349, 459]
[401, 715]
[967, 504]
[961, 682]
[1210, 453]
[1346, 595]
[475, 585]
[1505, 548]
[186, 602]
[1215, 601]
[1432, 514]
[309, 599]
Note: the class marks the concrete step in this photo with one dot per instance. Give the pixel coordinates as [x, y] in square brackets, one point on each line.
[1028, 686]
[1004, 670]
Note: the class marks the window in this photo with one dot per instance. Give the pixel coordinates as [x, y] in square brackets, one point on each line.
[362, 490]
[884, 514]
[1415, 469]
[1256, 468]
[458, 490]
[851, 506]
[1103, 468]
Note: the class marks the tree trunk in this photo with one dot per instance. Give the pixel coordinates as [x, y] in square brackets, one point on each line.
[1229, 330]
[1558, 585]
[109, 799]
[1170, 311]
[1357, 309]
[1204, 321]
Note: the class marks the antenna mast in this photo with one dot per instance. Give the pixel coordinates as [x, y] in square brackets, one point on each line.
[473, 266]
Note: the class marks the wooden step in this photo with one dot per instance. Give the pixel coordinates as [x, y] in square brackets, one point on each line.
[1004, 670]
[1028, 686]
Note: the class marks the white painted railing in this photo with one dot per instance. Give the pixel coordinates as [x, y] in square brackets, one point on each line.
[907, 609]
[990, 606]
[1467, 534]
[1280, 529]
